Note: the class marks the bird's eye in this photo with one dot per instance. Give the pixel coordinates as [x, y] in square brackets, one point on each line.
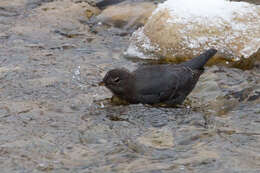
[116, 80]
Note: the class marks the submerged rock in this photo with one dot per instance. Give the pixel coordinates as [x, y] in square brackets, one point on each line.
[158, 138]
[181, 29]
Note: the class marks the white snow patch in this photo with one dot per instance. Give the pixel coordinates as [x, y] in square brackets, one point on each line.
[145, 43]
[205, 10]
[133, 51]
[249, 50]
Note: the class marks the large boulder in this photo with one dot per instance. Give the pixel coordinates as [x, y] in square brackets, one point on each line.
[181, 29]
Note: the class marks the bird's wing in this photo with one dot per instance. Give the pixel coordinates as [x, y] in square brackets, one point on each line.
[156, 83]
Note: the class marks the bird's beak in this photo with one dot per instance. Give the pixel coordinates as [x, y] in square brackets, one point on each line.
[101, 83]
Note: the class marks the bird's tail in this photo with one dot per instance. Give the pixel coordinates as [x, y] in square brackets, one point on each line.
[199, 61]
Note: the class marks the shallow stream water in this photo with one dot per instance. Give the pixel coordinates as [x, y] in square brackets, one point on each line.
[55, 118]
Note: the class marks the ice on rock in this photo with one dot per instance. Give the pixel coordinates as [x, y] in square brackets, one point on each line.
[184, 28]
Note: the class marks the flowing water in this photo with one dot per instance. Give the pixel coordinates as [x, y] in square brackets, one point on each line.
[55, 118]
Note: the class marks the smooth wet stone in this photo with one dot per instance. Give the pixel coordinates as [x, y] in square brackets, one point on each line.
[127, 15]
[60, 18]
[178, 31]
[157, 138]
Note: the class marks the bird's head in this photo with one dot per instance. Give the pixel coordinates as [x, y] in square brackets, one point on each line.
[119, 81]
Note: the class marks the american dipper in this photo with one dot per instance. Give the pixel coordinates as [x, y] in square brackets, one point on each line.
[152, 84]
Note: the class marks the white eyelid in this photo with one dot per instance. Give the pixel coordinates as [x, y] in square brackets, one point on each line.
[116, 79]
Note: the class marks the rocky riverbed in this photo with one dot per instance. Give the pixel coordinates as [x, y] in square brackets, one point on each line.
[55, 118]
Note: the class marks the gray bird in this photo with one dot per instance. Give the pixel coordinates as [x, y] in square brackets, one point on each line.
[168, 84]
